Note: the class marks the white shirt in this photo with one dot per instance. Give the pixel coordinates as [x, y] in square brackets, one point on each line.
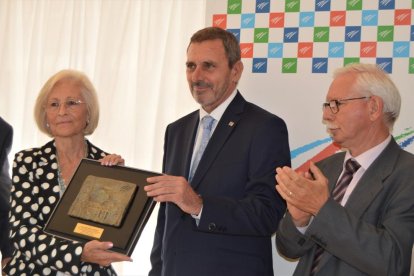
[217, 113]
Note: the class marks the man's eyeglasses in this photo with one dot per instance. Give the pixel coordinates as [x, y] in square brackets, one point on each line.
[70, 104]
[334, 104]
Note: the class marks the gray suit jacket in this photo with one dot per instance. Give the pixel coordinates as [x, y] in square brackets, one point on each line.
[373, 234]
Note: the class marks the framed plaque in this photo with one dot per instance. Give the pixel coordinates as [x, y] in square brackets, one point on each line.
[103, 203]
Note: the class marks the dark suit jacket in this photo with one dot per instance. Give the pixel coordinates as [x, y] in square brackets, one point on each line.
[6, 137]
[241, 208]
[373, 234]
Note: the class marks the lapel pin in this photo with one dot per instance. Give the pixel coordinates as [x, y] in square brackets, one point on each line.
[231, 123]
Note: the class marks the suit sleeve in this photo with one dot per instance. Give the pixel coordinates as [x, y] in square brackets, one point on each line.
[254, 208]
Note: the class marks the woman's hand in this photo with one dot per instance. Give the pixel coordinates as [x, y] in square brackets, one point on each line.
[97, 252]
[112, 159]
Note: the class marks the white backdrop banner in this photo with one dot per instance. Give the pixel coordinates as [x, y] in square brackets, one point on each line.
[290, 49]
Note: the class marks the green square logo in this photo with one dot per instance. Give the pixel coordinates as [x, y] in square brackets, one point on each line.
[350, 60]
[411, 66]
[321, 34]
[385, 33]
[293, 5]
[261, 35]
[289, 65]
[353, 5]
[234, 6]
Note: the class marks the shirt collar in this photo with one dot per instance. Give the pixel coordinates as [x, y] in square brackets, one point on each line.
[367, 158]
[219, 110]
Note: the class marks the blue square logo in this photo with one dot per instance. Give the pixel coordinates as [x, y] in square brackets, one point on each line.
[262, 6]
[412, 33]
[307, 19]
[236, 33]
[247, 20]
[352, 33]
[322, 5]
[336, 49]
[386, 4]
[369, 18]
[319, 65]
[291, 35]
[385, 64]
[259, 65]
[401, 49]
[275, 50]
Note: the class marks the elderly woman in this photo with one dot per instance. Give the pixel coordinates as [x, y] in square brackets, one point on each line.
[67, 110]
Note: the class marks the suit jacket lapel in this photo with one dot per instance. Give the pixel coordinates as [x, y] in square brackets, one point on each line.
[371, 182]
[224, 128]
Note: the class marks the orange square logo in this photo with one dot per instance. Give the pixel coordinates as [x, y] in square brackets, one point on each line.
[220, 20]
[246, 50]
[276, 20]
[402, 17]
[368, 49]
[305, 49]
[337, 18]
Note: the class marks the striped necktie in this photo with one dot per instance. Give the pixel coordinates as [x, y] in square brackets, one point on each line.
[351, 166]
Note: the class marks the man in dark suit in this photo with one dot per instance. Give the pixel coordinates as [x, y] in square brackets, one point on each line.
[217, 218]
[363, 223]
[6, 137]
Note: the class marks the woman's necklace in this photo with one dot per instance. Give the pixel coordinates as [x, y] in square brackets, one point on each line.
[61, 180]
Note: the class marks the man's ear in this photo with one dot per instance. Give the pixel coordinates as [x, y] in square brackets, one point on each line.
[376, 107]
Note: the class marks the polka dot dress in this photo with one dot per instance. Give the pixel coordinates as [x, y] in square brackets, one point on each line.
[35, 193]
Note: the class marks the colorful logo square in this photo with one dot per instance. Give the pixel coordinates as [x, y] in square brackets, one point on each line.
[247, 20]
[385, 33]
[277, 20]
[234, 6]
[220, 20]
[368, 49]
[321, 34]
[350, 60]
[369, 18]
[307, 19]
[386, 4]
[291, 35]
[275, 50]
[411, 66]
[246, 50]
[322, 5]
[337, 18]
[289, 65]
[401, 49]
[412, 32]
[235, 32]
[336, 49]
[385, 64]
[262, 6]
[261, 35]
[292, 5]
[402, 17]
[353, 5]
[319, 65]
[305, 49]
[259, 65]
[352, 33]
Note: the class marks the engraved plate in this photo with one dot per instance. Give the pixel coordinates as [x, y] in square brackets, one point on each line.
[88, 230]
[103, 200]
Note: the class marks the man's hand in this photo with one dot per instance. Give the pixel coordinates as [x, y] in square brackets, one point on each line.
[299, 190]
[175, 189]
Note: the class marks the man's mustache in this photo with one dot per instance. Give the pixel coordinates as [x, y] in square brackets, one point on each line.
[201, 84]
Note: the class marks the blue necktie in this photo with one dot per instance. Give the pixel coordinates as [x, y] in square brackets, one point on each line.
[351, 166]
[206, 124]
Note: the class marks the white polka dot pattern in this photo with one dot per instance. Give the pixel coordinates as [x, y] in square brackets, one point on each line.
[35, 193]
